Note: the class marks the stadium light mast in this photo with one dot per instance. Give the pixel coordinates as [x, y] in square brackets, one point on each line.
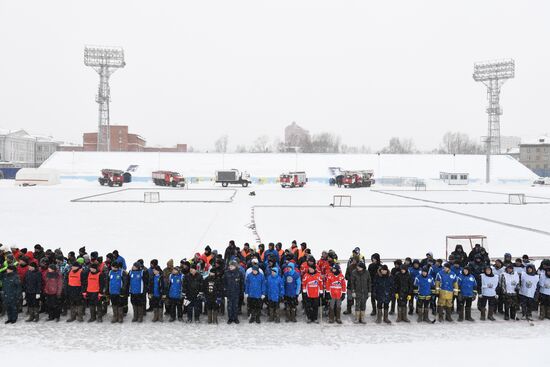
[493, 74]
[105, 61]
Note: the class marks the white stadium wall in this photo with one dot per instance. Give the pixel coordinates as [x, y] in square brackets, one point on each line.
[87, 165]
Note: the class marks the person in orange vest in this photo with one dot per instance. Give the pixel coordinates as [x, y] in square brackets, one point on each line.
[94, 289]
[246, 251]
[312, 287]
[302, 251]
[279, 248]
[294, 249]
[74, 293]
[207, 257]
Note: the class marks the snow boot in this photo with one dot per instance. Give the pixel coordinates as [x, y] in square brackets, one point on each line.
[404, 314]
[392, 307]
[506, 312]
[120, 314]
[271, 313]
[411, 308]
[386, 319]
[73, 314]
[348, 308]
[469, 314]
[547, 312]
[99, 314]
[448, 317]
[379, 316]
[210, 314]
[461, 313]
[490, 314]
[135, 316]
[114, 320]
[337, 315]
[141, 312]
[542, 312]
[440, 313]
[426, 315]
[93, 314]
[362, 317]
[420, 314]
[80, 313]
[483, 312]
[257, 319]
[155, 314]
[399, 315]
[31, 315]
[276, 317]
[331, 315]
[357, 317]
[215, 317]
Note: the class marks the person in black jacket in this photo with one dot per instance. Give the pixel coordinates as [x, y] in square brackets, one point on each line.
[460, 255]
[361, 287]
[32, 285]
[383, 287]
[403, 292]
[396, 268]
[230, 252]
[373, 270]
[212, 288]
[157, 293]
[352, 265]
[233, 284]
[192, 294]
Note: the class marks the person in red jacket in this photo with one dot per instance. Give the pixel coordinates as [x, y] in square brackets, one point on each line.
[336, 289]
[312, 287]
[53, 287]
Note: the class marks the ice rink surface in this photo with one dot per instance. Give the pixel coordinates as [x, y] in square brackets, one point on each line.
[394, 226]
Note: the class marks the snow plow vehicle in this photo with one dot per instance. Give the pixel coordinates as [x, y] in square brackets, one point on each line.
[293, 179]
[354, 179]
[168, 178]
[111, 177]
[233, 177]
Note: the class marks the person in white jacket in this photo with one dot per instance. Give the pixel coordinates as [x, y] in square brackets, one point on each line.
[544, 289]
[489, 284]
[509, 283]
[527, 288]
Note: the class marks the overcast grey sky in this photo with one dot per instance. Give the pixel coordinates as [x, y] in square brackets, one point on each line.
[366, 70]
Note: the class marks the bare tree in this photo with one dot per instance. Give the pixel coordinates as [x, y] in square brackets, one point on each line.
[459, 143]
[220, 145]
[241, 149]
[261, 145]
[399, 146]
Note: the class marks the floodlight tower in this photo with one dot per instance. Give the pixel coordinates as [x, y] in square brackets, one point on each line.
[104, 60]
[493, 74]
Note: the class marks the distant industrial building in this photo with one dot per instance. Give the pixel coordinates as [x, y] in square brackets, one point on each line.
[25, 150]
[296, 136]
[120, 141]
[535, 155]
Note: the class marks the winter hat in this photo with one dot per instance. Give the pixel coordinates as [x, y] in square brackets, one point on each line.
[136, 265]
[335, 267]
[80, 260]
[404, 267]
[447, 265]
[357, 250]
[384, 267]
[82, 250]
[33, 265]
[193, 266]
[430, 254]
[255, 267]
[426, 269]
[53, 267]
[233, 263]
[207, 248]
[94, 255]
[254, 261]
[361, 265]
[86, 258]
[375, 256]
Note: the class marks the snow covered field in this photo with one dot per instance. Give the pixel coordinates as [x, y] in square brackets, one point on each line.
[395, 226]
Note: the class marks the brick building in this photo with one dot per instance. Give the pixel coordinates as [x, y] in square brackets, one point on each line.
[535, 155]
[121, 141]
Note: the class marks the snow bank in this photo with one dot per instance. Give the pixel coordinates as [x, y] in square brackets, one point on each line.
[269, 166]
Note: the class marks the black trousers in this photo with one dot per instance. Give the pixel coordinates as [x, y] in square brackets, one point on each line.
[312, 308]
[53, 306]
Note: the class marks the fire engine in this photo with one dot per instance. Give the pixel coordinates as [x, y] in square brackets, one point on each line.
[293, 179]
[353, 179]
[168, 178]
[111, 177]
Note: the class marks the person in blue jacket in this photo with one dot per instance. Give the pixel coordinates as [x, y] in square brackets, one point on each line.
[119, 259]
[275, 291]
[255, 291]
[157, 293]
[436, 268]
[139, 281]
[175, 294]
[383, 286]
[271, 252]
[233, 285]
[152, 265]
[467, 285]
[414, 271]
[117, 290]
[292, 284]
[424, 285]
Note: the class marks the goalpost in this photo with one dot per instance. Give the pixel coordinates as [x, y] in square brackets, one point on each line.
[151, 197]
[341, 200]
[516, 199]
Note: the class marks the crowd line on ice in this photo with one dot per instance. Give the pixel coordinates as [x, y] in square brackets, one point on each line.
[268, 282]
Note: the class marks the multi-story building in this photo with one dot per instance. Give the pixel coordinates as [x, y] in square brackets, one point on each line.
[295, 136]
[25, 150]
[535, 155]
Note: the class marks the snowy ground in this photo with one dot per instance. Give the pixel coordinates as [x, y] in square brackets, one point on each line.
[395, 226]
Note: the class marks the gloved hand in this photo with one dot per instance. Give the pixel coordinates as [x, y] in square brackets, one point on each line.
[455, 292]
[354, 295]
[437, 290]
[37, 296]
[84, 295]
[200, 296]
[474, 297]
[218, 301]
[397, 296]
[368, 294]
[186, 302]
[409, 297]
[343, 297]
[150, 295]
[163, 297]
[415, 291]
[122, 296]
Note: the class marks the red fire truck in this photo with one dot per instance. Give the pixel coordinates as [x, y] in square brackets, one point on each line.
[353, 179]
[293, 179]
[168, 178]
[111, 177]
